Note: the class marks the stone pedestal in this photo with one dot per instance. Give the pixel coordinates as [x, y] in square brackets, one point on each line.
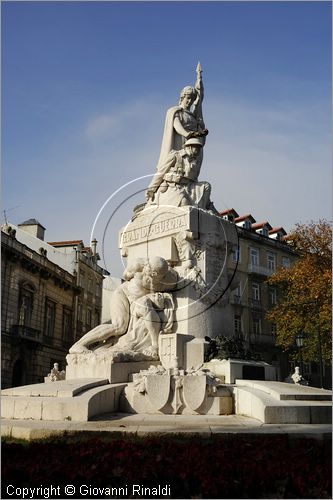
[231, 369]
[83, 366]
[198, 244]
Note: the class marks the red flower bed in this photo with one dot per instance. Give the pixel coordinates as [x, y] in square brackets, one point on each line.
[233, 466]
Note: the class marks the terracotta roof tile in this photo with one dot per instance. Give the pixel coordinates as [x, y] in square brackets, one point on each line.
[260, 225]
[70, 243]
[228, 211]
[277, 230]
[241, 218]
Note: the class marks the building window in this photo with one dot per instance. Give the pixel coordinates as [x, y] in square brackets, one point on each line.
[236, 254]
[26, 302]
[254, 256]
[49, 317]
[238, 324]
[264, 231]
[67, 324]
[88, 318]
[257, 326]
[285, 262]
[272, 296]
[271, 261]
[255, 291]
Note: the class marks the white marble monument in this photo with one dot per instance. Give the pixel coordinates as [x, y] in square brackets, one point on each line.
[176, 279]
[150, 357]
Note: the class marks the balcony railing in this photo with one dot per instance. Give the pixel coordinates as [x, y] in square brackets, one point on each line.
[25, 332]
[258, 338]
[262, 270]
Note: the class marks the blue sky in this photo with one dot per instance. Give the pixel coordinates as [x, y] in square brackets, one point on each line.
[85, 87]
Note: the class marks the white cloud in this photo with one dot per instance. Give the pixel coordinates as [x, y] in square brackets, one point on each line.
[101, 126]
[133, 119]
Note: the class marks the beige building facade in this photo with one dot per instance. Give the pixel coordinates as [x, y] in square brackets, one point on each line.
[49, 300]
[261, 250]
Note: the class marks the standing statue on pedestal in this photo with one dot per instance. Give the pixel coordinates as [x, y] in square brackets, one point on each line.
[181, 123]
[176, 180]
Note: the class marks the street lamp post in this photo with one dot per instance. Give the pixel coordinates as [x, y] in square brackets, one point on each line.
[300, 344]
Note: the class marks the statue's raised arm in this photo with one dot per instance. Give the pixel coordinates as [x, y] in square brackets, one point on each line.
[199, 87]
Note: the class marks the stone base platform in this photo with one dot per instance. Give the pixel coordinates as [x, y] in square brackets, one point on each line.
[143, 425]
[71, 400]
[281, 403]
[269, 402]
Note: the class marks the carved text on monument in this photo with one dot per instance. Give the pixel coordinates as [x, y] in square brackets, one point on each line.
[154, 230]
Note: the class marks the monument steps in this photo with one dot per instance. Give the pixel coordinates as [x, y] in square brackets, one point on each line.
[65, 400]
[80, 400]
[59, 388]
[278, 403]
[283, 391]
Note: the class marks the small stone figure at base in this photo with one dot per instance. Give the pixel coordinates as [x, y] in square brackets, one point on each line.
[298, 378]
[55, 374]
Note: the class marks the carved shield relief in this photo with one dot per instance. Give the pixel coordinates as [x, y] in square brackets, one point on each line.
[194, 391]
[167, 350]
[158, 390]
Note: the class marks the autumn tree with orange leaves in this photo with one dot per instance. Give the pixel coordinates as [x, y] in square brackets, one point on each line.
[305, 292]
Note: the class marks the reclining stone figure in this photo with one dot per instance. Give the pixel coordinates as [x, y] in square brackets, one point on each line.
[139, 310]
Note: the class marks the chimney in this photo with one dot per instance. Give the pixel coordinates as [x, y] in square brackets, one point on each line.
[33, 227]
[94, 246]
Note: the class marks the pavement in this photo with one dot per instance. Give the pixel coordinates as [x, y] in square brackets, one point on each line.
[144, 424]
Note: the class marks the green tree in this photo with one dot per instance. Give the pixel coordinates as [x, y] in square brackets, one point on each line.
[305, 292]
